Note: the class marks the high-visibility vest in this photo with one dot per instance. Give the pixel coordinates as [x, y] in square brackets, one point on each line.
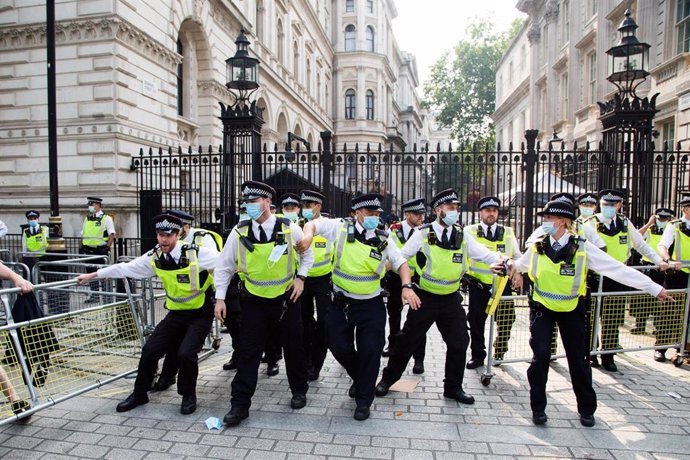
[444, 268]
[653, 237]
[681, 243]
[398, 236]
[558, 286]
[323, 257]
[357, 267]
[36, 242]
[183, 289]
[94, 233]
[262, 277]
[618, 246]
[198, 235]
[504, 245]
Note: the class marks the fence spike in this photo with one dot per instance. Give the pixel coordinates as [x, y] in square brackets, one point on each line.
[357, 147]
[160, 151]
[575, 146]
[380, 148]
[368, 147]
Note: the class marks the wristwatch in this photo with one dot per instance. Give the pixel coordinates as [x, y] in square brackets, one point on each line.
[408, 286]
[302, 277]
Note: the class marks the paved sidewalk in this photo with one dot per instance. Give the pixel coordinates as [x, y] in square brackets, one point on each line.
[637, 418]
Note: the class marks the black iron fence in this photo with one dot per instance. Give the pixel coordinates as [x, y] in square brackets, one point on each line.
[523, 177]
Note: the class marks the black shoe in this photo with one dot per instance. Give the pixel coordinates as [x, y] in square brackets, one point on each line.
[594, 361]
[361, 413]
[637, 330]
[20, 406]
[272, 369]
[235, 416]
[497, 360]
[352, 392]
[163, 383]
[418, 367]
[132, 401]
[382, 388]
[298, 401]
[587, 420]
[609, 365]
[188, 405]
[539, 418]
[459, 395]
[660, 356]
[230, 365]
[312, 374]
[386, 352]
[474, 363]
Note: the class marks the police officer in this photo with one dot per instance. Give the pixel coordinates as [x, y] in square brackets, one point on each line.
[34, 239]
[496, 238]
[675, 246]
[317, 288]
[585, 231]
[262, 250]
[620, 237]
[442, 250]
[358, 314]
[289, 206]
[98, 230]
[587, 205]
[184, 271]
[414, 212]
[557, 266]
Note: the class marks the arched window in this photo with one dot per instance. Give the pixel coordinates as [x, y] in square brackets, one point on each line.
[350, 38]
[370, 104]
[180, 80]
[350, 104]
[349, 6]
[370, 39]
[281, 42]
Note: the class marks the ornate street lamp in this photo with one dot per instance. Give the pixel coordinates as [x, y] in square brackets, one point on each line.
[242, 70]
[628, 61]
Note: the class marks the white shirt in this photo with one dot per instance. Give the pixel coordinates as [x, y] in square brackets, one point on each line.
[227, 262]
[590, 234]
[208, 240]
[669, 235]
[141, 266]
[406, 229]
[330, 229]
[475, 250]
[604, 264]
[108, 221]
[3, 229]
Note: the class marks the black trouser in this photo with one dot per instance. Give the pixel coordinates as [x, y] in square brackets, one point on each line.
[612, 317]
[183, 331]
[447, 312]
[261, 317]
[394, 305]
[640, 309]
[671, 318]
[572, 328]
[317, 293]
[480, 294]
[233, 314]
[360, 322]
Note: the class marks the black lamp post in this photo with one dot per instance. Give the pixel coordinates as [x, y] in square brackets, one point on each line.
[242, 123]
[626, 159]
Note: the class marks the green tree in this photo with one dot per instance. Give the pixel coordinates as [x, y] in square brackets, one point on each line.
[462, 85]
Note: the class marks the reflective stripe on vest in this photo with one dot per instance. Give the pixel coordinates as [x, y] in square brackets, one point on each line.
[94, 233]
[357, 268]
[551, 287]
[412, 261]
[181, 285]
[652, 239]
[480, 270]
[681, 246]
[260, 278]
[443, 271]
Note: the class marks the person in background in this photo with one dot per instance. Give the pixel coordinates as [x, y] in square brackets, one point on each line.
[34, 239]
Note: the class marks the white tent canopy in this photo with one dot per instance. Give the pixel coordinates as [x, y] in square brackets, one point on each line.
[546, 183]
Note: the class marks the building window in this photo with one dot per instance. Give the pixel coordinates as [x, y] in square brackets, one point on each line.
[370, 104]
[180, 80]
[565, 17]
[370, 6]
[281, 42]
[295, 60]
[349, 6]
[592, 80]
[545, 43]
[591, 8]
[523, 59]
[260, 19]
[683, 25]
[350, 104]
[350, 38]
[668, 133]
[308, 78]
[370, 39]
[510, 74]
[564, 96]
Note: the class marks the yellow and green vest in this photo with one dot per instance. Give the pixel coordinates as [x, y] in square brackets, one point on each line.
[618, 246]
[443, 268]
[94, 233]
[652, 237]
[398, 236]
[480, 270]
[558, 285]
[200, 233]
[37, 242]
[681, 243]
[183, 287]
[262, 277]
[358, 267]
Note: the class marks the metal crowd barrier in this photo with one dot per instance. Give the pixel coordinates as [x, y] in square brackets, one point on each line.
[612, 321]
[5, 255]
[54, 358]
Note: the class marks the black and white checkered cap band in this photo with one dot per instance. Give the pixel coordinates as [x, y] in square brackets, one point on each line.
[289, 200]
[489, 203]
[564, 199]
[367, 204]
[664, 214]
[611, 197]
[250, 191]
[419, 207]
[167, 226]
[445, 198]
[588, 199]
[313, 198]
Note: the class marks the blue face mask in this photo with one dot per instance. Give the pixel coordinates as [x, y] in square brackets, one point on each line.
[92, 209]
[308, 214]
[586, 211]
[254, 210]
[451, 218]
[608, 211]
[244, 216]
[370, 222]
[549, 228]
[33, 223]
[290, 215]
[661, 225]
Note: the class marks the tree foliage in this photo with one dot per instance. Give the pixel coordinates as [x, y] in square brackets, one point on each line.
[462, 85]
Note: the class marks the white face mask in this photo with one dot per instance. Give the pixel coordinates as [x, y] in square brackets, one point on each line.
[586, 211]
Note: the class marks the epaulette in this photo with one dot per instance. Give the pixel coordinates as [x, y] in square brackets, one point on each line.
[153, 251]
[243, 223]
[425, 226]
[284, 220]
[381, 233]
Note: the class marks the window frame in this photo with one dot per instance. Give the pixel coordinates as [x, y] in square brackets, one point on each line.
[350, 104]
[350, 37]
[370, 104]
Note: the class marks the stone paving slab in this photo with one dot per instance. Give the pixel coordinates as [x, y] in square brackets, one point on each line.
[636, 419]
